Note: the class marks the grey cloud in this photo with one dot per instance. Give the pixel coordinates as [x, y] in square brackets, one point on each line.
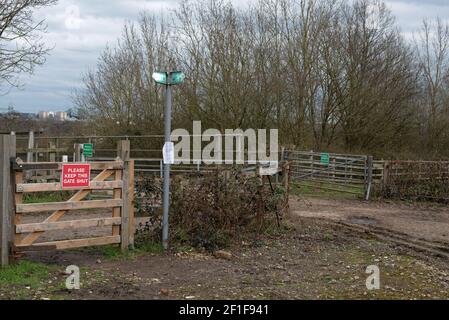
[76, 50]
[424, 2]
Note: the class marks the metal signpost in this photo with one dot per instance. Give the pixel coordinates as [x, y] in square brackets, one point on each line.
[168, 79]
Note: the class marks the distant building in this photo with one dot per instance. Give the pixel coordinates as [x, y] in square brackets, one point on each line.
[42, 115]
[59, 115]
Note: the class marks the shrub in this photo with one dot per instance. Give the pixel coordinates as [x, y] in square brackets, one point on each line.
[214, 210]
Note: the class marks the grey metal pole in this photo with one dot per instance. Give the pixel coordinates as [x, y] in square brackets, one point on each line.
[167, 120]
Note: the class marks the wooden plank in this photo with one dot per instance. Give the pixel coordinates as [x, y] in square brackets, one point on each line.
[43, 178]
[32, 249]
[74, 224]
[106, 165]
[80, 195]
[45, 187]
[41, 150]
[68, 205]
[76, 243]
[18, 199]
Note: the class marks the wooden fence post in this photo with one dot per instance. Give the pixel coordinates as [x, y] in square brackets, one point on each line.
[369, 177]
[29, 174]
[52, 158]
[7, 152]
[286, 182]
[132, 227]
[386, 174]
[123, 152]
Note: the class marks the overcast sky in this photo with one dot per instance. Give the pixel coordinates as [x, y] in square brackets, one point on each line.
[80, 29]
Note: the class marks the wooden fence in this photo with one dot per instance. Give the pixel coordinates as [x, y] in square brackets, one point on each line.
[426, 180]
[16, 236]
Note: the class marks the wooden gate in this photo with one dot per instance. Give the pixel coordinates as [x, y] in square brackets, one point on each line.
[121, 205]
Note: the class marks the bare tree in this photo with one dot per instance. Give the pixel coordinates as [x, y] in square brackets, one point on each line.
[21, 46]
[432, 50]
[333, 75]
[121, 96]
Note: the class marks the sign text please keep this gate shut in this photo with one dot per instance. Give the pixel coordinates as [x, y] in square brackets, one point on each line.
[75, 175]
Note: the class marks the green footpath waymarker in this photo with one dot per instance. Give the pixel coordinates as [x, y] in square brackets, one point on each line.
[325, 158]
[176, 77]
[88, 150]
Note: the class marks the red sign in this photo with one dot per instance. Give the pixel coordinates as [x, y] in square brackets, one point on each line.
[75, 175]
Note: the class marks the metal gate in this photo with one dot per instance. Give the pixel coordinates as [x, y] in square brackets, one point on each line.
[330, 171]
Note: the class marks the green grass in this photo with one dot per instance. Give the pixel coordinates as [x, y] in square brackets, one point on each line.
[150, 248]
[24, 273]
[322, 190]
[46, 197]
[29, 280]
[328, 237]
[112, 252]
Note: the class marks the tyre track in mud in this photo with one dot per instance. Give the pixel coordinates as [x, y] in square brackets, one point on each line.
[436, 248]
[418, 227]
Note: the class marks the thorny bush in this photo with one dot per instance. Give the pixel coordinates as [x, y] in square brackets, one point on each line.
[214, 210]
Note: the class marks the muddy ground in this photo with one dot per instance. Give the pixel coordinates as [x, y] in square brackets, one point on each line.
[312, 258]
[427, 221]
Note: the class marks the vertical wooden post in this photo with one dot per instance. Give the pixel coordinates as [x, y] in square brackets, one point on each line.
[281, 160]
[30, 152]
[7, 152]
[30, 146]
[369, 177]
[57, 147]
[123, 152]
[386, 175]
[312, 165]
[132, 225]
[52, 158]
[286, 176]
[286, 179]
[77, 155]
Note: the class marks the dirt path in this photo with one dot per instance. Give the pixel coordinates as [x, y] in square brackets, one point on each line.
[428, 222]
[312, 258]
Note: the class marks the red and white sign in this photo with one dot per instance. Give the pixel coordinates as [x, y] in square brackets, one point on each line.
[75, 175]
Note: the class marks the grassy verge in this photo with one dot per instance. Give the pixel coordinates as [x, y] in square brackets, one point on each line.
[326, 190]
[113, 252]
[30, 280]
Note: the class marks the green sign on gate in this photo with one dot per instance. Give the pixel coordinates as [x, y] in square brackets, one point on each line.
[88, 150]
[325, 158]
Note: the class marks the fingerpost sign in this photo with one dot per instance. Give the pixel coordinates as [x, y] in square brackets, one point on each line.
[88, 150]
[75, 175]
[325, 158]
